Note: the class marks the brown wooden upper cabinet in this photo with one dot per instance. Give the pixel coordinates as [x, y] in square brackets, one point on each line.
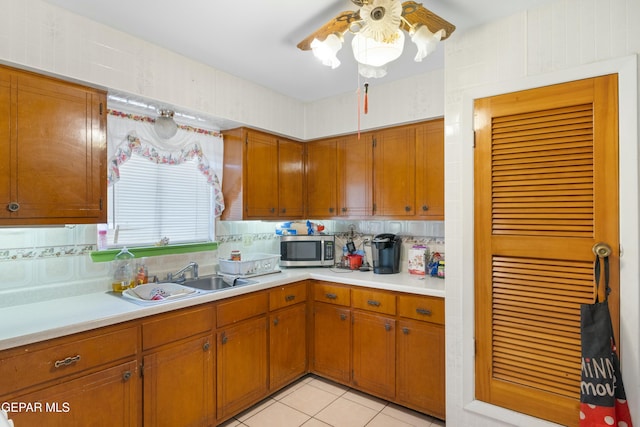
[322, 178]
[53, 151]
[394, 165]
[263, 176]
[430, 170]
[355, 176]
[390, 173]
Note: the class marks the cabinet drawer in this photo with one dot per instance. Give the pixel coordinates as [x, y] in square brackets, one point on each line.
[331, 293]
[287, 295]
[373, 300]
[430, 309]
[241, 308]
[170, 327]
[35, 364]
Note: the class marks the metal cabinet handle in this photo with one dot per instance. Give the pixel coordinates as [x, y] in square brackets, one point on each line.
[405, 331]
[13, 206]
[330, 210]
[272, 210]
[67, 361]
[373, 303]
[284, 210]
[289, 297]
[276, 321]
[407, 208]
[344, 209]
[206, 346]
[331, 296]
[424, 311]
[387, 327]
[224, 338]
[126, 375]
[425, 207]
[343, 316]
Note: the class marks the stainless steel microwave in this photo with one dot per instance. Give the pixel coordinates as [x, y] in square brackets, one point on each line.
[316, 250]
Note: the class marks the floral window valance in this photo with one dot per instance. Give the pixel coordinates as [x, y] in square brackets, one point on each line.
[185, 146]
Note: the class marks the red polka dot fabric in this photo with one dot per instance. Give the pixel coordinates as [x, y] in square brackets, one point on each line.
[605, 416]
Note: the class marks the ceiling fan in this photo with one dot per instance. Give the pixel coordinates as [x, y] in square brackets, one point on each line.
[378, 28]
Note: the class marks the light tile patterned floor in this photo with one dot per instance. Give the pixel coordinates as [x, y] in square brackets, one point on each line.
[317, 402]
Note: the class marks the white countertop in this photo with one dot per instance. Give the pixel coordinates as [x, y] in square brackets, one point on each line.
[29, 323]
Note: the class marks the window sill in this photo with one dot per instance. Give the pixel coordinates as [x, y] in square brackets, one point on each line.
[141, 252]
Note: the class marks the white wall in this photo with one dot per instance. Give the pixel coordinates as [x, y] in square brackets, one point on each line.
[408, 100]
[49, 39]
[562, 41]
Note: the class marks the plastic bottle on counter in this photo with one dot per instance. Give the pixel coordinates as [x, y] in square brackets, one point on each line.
[124, 276]
[102, 237]
[142, 274]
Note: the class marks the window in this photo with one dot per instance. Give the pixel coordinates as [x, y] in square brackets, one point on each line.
[155, 201]
[161, 190]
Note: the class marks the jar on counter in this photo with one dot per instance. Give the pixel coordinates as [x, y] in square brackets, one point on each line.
[124, 275]
[236, 256]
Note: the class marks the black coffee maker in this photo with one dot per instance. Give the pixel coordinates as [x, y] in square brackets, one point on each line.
[385, 251]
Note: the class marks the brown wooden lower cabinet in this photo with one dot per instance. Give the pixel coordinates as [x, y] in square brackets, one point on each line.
[287, 345]
[178, 384]
[332, 342]
[205, 364]
[241, 366]
[420, 367]
[374, 354]
[106, 398]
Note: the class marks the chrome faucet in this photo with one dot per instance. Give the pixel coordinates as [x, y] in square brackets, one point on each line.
[180, 275]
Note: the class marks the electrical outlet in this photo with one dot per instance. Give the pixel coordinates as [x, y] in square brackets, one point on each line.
[247, 240]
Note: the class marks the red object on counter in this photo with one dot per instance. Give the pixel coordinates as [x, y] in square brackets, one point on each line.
[355, 261]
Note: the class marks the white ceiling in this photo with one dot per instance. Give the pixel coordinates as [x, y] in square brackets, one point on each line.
[256, 39]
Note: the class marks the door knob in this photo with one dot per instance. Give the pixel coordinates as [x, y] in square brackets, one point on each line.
[601, 249]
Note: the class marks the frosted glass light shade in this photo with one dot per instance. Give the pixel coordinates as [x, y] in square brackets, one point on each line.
[370, 52]
[164, 126]
[327, 50]
[426, 41]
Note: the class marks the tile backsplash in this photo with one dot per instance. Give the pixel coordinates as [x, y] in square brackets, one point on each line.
[42, 263]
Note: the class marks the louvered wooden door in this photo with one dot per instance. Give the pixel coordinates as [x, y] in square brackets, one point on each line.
[546, 190]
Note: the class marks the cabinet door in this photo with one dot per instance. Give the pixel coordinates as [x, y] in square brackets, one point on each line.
[60, 163]
[290, 179]
[105, 398]
[261, 176]
[430, 170]
[332, 342]
[421, 367]
[287, 345]
[178, 385]
[394, 172]
[241, 366]
[355, 175]
[321, 179]
[5, 142]
[374, 354]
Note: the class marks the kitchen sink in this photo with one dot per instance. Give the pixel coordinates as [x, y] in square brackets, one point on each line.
[216, 283]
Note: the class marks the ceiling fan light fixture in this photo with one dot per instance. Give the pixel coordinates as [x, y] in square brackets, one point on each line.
[425, 41]
[373, 53]
[378, 28]
[164, 126]
[326, 51]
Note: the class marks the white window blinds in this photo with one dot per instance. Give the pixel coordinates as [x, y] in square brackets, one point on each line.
[153, 201]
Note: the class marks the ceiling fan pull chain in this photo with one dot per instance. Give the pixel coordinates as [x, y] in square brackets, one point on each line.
[366, 98]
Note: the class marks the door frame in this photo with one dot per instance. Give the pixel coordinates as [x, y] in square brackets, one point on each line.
[460, 296]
